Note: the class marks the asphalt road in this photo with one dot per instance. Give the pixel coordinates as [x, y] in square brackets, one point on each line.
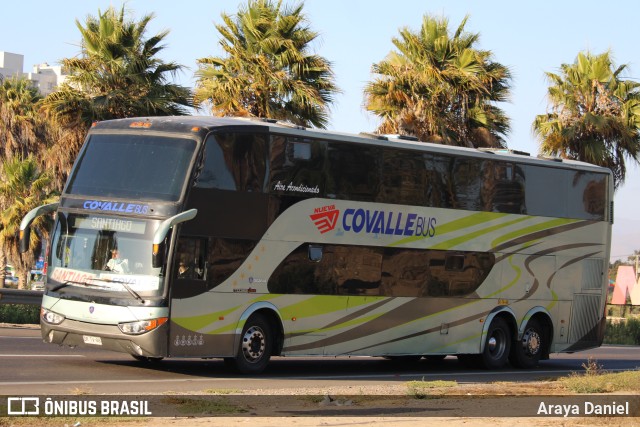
[29, 366]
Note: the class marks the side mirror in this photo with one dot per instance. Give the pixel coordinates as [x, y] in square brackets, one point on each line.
[158, 249]
[25, 225]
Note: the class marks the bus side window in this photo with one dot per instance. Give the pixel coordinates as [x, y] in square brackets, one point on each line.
[234, 161]
[296, 163]
[190, 261]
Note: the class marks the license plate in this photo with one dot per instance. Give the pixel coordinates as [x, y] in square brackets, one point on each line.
[92, 340]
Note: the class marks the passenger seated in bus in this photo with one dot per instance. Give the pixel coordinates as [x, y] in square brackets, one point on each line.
[117, 264]
[185, 271]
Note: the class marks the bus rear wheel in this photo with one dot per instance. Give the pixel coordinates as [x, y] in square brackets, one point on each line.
[526, 352]
[255, 348]
[497, 345]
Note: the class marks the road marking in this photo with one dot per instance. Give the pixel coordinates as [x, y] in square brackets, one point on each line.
[22, 338]
[169, 380]
[264, 379]
[444, 374]
[42, 355]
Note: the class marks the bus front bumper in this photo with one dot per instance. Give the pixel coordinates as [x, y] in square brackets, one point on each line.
[108, 337]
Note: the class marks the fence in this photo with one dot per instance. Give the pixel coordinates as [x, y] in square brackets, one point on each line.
[19, 296]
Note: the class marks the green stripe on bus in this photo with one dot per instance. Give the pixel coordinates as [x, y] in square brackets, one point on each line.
[470, 236]
[195, 323]
[457, 225]
[518, 271]
[314, 306]
[532, 229]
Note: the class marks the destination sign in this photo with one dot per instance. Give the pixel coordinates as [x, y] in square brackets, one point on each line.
[110, 224]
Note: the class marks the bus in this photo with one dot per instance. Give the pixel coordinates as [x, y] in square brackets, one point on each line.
[243, 239]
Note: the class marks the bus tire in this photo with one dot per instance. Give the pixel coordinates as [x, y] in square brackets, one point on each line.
[527, 351]
[255, 348]
[497, 345]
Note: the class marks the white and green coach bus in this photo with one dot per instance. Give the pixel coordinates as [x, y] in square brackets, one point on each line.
[202, 237]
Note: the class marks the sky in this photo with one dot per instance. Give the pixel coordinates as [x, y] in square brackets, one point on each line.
[530, 38]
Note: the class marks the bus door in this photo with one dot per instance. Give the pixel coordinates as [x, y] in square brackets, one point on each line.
[188, 297]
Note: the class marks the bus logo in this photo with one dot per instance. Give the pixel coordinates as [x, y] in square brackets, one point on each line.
[325, 218]
[23, 406]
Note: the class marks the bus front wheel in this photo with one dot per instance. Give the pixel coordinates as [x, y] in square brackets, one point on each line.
[255, 348]
[497, 345]
[526, 352]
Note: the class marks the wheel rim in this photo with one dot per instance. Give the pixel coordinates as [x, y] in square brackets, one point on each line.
[254, 344]
[497, 344]
[531, 342]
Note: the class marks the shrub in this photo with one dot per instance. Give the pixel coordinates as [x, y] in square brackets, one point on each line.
[623, 332]
[19, 313]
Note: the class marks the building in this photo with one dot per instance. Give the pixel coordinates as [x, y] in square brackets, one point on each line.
[43, 76]
[11, 64]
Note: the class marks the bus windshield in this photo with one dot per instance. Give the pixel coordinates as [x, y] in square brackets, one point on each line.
[142, 167]
[103, 255]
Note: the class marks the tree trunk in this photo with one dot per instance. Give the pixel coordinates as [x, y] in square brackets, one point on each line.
[3, 265]
[22, 278]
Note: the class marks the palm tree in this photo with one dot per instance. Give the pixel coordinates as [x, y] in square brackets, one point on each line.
[22, 132]
[268, 69]
[117, 74]
[23, 188]
[594, 114]
[21, 127]
[440, 87]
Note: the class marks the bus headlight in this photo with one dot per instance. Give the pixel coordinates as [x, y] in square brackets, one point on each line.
[51, 317]
[141, 326]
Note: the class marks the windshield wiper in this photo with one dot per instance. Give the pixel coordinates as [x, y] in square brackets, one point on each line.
[124, 285]
[86, 283]
[72, 282]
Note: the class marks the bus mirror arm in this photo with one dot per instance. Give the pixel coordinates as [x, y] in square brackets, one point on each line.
[157, 250]
[25, 224]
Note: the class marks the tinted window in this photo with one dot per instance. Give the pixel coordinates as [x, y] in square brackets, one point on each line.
[438, 185]
[298, 167]
[234, 162]
[587, 195]
[546, 191]
[355, 171]
[502, 188]
[140, 167]
[467, 182]
[356, 270]
[224, 257]
[403, 178]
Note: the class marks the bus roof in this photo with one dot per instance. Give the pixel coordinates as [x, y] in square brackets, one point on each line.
[205, 124]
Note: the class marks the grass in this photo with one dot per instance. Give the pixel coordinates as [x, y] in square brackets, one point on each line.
[67, 421]
[194, 405]
[593, 380]
[424, 389]
[596, 380]
[221, 391]
[603, 383]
